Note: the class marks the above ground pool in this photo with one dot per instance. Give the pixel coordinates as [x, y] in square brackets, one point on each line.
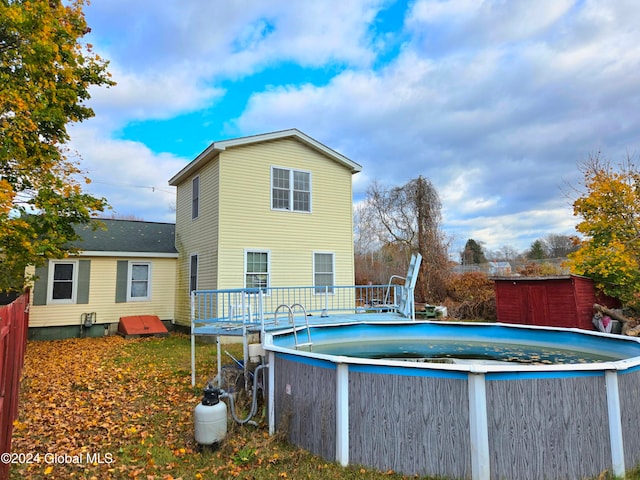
[464, 344]
[460, 400]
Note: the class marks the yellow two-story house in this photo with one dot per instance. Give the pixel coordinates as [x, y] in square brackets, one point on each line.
[261, 211]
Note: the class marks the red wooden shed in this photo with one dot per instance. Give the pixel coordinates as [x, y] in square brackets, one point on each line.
[559, 301]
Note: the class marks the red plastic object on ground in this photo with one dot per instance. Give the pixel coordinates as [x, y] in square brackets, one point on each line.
[141, 325]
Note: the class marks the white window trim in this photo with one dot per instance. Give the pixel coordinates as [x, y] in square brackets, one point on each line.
[291, 183]
[333, 271]
[74, 288]
[257, 250]
[129, 279]
[197, 268]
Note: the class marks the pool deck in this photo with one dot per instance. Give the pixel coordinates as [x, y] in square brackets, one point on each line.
[223, 328]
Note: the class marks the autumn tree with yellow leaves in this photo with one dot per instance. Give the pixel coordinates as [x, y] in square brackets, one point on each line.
[610, 211]
[45, 76]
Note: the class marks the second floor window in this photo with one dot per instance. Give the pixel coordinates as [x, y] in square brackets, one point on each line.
[195, 197]
[290, 190]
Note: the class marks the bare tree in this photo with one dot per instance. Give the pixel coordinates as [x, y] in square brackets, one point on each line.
[505, 253]
[559, 246]
[408, 218]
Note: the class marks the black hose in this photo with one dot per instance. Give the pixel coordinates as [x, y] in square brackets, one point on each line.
[254, 401]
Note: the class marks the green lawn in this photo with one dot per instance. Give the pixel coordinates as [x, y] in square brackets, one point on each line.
[113, 408]
[110, 408]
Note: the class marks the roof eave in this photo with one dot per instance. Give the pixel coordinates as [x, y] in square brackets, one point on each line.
[100, 253]
[217, 147]
[211, 151]
[292, 132]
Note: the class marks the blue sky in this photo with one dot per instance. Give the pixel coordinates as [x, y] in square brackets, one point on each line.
[496, 102]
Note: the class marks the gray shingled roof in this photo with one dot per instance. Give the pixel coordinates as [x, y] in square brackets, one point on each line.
[127, 236]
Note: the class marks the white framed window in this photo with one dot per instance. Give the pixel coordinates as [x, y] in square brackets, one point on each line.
[256, 269]
[139, 281]
[195, 198]
[290, 190]
[63, 281]
[193, 273]
[323, 271]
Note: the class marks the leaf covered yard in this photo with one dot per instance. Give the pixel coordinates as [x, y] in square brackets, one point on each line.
[114, 408]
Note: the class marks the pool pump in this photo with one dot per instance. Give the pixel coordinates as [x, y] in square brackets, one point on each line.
[210, 418]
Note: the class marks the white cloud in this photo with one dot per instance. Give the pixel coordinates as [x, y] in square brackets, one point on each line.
[498, 129]
[517, 230]
[168, 57]
[473, 23]
[142, 96]
[131, 177]
[457, 197]
[494, 101]
[230, 38]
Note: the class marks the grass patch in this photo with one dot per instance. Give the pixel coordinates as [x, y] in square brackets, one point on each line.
[110, 408]
[123, 409]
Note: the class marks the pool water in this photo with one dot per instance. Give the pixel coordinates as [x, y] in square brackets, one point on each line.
[452, 351]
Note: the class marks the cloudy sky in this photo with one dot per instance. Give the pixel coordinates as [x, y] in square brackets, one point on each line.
[496, 102]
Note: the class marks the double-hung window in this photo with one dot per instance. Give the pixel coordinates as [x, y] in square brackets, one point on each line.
[256, 269]
[195, 197]
[139, 281]
[290, 190]
[193, 273]
[323, 271]
[63, 282]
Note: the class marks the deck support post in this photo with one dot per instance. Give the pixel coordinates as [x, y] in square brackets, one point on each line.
[342, 414]
[478, 427]
[192, 308]
[219, 360]
[615, 423]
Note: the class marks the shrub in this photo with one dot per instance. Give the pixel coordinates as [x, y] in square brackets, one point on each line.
[471, 296]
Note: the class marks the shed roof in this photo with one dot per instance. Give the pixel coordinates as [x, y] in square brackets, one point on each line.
[219, 146]
[132, 236]
[513, 278]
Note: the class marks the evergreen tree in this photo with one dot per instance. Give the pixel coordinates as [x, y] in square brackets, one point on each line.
[473, 253]
[537, 251]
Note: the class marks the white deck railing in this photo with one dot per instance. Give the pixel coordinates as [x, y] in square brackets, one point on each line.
[219, 312]
[238, 312]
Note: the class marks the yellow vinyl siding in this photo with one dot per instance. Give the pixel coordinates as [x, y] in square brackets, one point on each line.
[197, 236]
[236, 216]
[102, 293]
[291, 237]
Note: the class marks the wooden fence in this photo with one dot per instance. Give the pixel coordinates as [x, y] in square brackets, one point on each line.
[14, 322]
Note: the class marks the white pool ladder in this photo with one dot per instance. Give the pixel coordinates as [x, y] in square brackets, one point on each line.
[405, 304]
[292, 322]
